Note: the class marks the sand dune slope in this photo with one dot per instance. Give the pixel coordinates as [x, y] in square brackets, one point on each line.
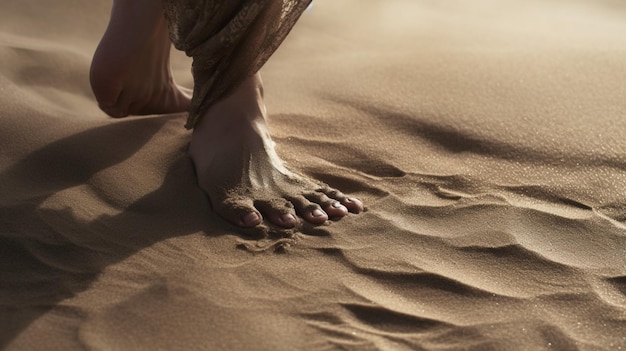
[486, 139]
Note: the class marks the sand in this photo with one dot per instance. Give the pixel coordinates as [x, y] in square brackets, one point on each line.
[486, 139]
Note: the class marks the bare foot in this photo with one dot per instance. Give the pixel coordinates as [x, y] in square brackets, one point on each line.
[238, 168]
[130, 72]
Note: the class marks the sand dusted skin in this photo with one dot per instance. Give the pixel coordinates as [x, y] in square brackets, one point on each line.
[486, 140]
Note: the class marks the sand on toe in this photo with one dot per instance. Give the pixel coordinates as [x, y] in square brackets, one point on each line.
[486, 139]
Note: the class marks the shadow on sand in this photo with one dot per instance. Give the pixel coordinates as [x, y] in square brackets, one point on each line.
[48, 255]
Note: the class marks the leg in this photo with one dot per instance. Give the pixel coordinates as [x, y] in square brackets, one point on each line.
[238, 168]
[130, 73]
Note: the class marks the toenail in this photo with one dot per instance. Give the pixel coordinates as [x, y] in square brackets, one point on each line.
[250, 219]
[337, 204]
[317, 213]
[288, 218]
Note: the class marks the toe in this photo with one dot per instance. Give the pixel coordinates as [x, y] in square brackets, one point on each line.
[285, 220]
[332, 207]
[309, 211]
[279, 212]
[314, 214]
[239, 212]
[352, 204]
[250, 219]
[337, 209]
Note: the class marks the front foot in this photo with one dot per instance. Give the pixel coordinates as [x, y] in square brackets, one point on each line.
[238, 168]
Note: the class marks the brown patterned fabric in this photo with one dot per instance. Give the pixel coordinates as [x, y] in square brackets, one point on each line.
[229, 41]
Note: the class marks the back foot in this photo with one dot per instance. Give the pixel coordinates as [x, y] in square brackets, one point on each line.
[130, 71]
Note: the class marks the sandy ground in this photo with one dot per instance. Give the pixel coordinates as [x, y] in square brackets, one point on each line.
[486, 139]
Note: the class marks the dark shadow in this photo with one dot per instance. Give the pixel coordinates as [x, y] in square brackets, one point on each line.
[40, 264]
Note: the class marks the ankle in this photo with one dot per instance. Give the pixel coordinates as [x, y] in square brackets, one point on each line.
[243, 106]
